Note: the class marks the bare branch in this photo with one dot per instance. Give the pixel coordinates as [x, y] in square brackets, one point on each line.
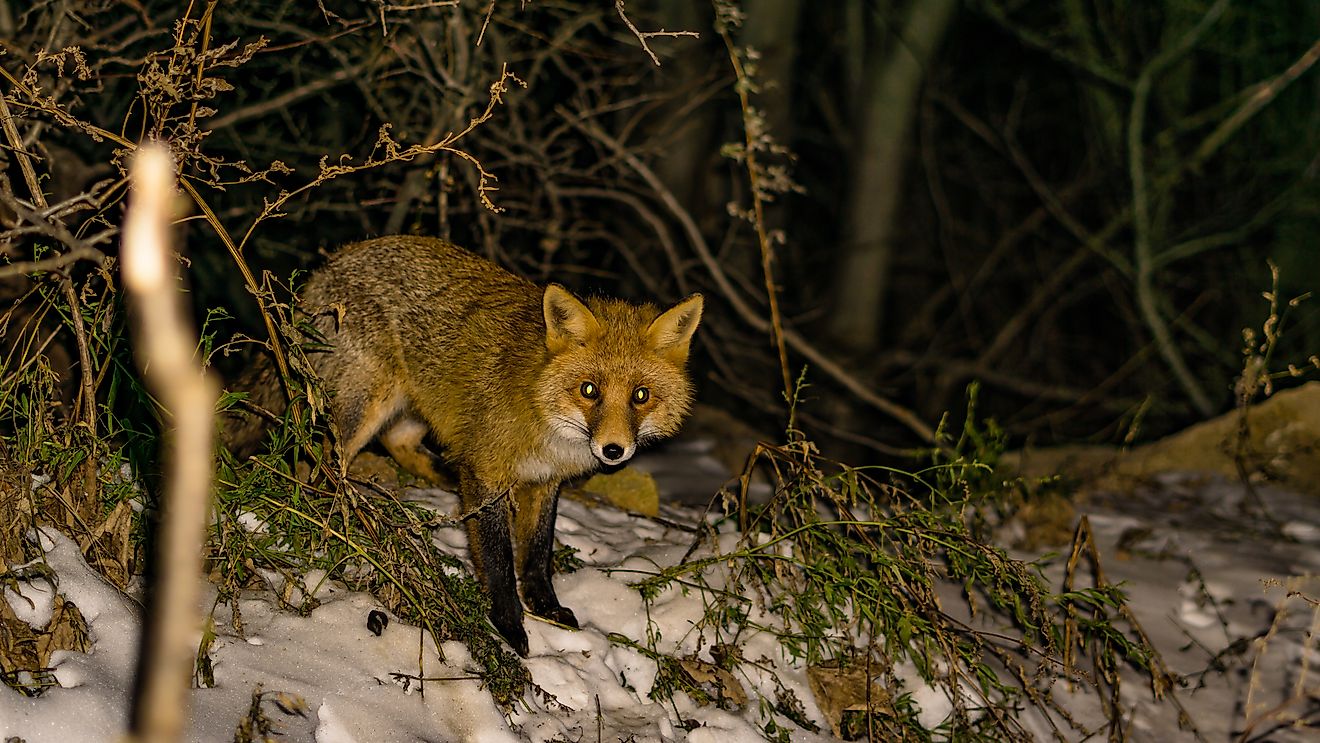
[642, 36]
[1141, 207]
[54, 263]
[1090, 66]
[754, 175]
[731, 294]
[1261, 97]
[43, 223]
[24, 159]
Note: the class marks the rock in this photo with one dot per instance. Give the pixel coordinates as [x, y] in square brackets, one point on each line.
[629, 489]
[1278, 439]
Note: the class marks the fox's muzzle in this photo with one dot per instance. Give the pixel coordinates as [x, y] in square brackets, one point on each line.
[612, 453]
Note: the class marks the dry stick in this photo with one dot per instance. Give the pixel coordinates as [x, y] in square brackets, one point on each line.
[165, 342]
[1141, 222]
[24, 159]
[88, 390]
[730, 293]
[53, 263]
[1264, 93]
[758, 210]
[642, 36]
[489, 11]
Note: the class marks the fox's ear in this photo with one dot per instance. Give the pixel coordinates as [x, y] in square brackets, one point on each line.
[671, 333]
[568, 322]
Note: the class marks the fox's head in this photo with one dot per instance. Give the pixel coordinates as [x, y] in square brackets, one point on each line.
[616, 376]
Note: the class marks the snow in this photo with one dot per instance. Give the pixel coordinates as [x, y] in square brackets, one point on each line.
[1201, 570]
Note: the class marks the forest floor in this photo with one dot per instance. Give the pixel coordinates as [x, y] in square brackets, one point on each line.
[1221, 592]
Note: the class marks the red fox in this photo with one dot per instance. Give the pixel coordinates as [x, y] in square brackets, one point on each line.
[521, 388]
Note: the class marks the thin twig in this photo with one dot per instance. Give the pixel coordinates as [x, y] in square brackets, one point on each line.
[44, 222]
[1048, 45]
[651, 218]
[490, 9]
[1261, 97]
[24, 159]
[758, 211]
[642, 36]
[87, 391]
[731, 295]
[54, 263]
[1141, 207]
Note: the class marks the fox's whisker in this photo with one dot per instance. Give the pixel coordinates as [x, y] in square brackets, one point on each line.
[564, 424]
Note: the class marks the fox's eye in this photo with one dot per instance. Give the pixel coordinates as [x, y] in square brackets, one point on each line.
[641, 395]
[590, 390]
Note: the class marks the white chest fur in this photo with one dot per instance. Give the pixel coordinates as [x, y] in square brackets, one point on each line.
[557, 458]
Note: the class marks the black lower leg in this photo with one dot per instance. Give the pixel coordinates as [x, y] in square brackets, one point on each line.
[488, 533]
[537, 585]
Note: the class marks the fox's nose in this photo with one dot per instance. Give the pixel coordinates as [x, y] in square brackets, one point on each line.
[613, 452]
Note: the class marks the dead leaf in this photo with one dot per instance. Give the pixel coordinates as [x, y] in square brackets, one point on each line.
[724, 685]
[842, 689]
[25, 651]
[67, 630]
[290, 704]
[18, 642]
[108, 548]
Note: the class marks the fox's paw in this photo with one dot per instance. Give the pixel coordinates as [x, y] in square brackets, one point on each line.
[562, 615]
[508, 619]
[516, 636]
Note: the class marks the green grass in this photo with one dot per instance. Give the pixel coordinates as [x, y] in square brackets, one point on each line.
[847, 563]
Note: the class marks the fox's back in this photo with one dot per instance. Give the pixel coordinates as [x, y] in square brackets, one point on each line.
[457, 331]
[516, 382]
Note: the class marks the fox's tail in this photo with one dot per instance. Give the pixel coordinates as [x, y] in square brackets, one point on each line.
[245, 423]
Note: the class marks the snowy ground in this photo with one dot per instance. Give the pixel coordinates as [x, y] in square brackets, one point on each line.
[1198, 571]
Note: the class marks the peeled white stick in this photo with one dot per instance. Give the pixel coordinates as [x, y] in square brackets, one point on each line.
[164, 342]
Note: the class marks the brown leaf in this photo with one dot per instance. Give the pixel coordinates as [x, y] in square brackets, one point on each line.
[18, 642]
[67, 630]
[724, 685]
[290, 704]
[109, 550]
[840, 689]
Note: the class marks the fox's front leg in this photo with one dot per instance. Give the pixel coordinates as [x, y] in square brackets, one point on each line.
[535, 507]
[492, 554]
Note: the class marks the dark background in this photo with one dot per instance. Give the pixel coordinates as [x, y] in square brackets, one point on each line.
[953, 189]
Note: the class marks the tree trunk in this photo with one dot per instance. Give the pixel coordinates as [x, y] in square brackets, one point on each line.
[892, 81]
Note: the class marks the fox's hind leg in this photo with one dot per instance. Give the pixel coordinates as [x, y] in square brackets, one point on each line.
[360, 416]
[534, 533]
[363, 394]
[405, 440]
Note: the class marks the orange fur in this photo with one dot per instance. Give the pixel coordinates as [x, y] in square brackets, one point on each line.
[522, 387]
